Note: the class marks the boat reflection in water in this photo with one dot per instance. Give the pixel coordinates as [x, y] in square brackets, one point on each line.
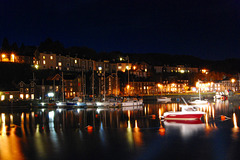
[186, 128]
[115, 133]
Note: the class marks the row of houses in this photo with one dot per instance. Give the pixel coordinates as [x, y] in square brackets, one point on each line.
[104, 79]
[55, 89]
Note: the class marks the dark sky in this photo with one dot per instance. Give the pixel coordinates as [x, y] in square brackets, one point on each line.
[209, 29]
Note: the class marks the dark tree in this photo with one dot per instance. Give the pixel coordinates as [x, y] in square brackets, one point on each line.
[5, 45]
[81, 52]
[49, 46]
[14, 47]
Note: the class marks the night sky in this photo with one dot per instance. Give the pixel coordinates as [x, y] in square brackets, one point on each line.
[208, 29]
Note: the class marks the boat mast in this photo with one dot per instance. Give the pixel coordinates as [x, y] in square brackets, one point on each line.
[199, 89]
[93, 82]
[128, 78]
[104, 89]
[62, 88]
[116, 80]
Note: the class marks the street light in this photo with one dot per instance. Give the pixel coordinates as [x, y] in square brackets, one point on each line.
[233, 81]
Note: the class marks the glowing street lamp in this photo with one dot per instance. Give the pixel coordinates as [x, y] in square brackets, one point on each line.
[233, 81]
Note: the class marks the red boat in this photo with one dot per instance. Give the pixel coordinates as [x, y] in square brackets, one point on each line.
[195, 121]
[187, 113]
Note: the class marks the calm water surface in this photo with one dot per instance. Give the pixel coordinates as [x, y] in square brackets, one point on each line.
[126, 133]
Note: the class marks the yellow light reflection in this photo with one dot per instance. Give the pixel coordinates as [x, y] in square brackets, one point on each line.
[235, 121]
[11, 145]
[11, 119]
[206, 121]
[3, 124]
[160, 113]
[129, 124]
[136, 125]
[22, 118]
[137, 135]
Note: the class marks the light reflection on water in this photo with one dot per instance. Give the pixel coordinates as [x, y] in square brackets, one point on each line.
[55, 133]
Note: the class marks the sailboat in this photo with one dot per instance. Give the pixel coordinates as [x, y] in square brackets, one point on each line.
[198, 100]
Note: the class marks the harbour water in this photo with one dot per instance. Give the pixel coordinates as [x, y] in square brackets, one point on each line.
[137, 133]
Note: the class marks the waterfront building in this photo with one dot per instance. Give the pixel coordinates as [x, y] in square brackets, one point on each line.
[14, 58]
[63, 63]
[28, 91]
[9, 95]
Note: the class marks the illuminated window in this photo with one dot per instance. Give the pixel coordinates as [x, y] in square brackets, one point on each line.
[21, 96]
[32, 96]
[12, 57]
[4, 58]
[71, 89]
[75, 61]
[44, 62]
[43, 57]
[27, 96]
[2, 97]
[11, 97]
[51, 57]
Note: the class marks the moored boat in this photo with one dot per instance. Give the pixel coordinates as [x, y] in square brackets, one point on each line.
[164, 99]
[132, 102]
[187, 113]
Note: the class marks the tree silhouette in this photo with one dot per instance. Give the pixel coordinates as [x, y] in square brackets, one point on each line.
[5, 45]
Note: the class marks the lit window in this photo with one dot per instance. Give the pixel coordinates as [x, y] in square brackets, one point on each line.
[32, 96]
[11, 97]
[21, 96]
[2, 97]
[43, 57]
[51, 57]
[27, 96]
[71, 89]
[12, 57]
[44, 62]
[75, 61]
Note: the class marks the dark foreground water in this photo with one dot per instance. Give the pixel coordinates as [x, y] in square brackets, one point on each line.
[128, 133]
